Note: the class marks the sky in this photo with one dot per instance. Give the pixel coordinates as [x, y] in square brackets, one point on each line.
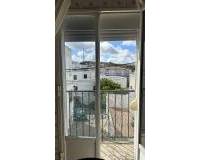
[121, 52]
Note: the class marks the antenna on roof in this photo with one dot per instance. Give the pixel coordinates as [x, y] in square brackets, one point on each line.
[83, 55]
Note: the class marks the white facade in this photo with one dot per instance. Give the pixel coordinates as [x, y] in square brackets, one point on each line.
[78, 77]
[114, 71]
[83, 79]
[68, 57]
[82, 76]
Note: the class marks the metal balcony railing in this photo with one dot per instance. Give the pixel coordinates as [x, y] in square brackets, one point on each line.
[116, 115]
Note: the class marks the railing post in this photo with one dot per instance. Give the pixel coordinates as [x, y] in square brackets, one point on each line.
[89, 111]
[128, 114]
[83, 123]
[75, 111]
[121, 115]
[108, 118]
[69, 96]
[101, 117]
[115, 116]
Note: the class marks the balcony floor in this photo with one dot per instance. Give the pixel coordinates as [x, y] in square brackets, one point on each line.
[116, 151]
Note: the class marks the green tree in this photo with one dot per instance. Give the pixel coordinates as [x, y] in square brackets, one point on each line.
[107, 84]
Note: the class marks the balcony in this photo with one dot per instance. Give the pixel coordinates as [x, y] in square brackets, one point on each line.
[117, 120]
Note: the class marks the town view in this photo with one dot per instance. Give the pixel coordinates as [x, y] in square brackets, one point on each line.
[117, 83]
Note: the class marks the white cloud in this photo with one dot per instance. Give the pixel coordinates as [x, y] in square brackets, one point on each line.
[120, 58]
[123, 55]
[80, 45]
[129, 43]
[76, 58]
[107, 47]
[109, 52]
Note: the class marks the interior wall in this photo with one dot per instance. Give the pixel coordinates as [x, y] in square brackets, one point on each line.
[59, 126]
[61, 8]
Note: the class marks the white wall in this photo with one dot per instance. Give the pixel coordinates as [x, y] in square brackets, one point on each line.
[141, 152]
[68, 57]
[114, 71]
[81, 83]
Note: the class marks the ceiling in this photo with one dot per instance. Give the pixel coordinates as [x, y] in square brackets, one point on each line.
[106, 4]
[100, 5]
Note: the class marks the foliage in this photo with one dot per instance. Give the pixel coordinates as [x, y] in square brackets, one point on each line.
[107, 84]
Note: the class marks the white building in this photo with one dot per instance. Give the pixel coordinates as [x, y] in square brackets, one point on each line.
[78, 76]
[114, 71]
[81, 76]
[80, 79]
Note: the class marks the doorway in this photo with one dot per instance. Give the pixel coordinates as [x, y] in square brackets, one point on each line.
[101, 60]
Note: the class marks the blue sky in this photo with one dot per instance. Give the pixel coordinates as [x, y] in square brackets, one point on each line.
[111, 51]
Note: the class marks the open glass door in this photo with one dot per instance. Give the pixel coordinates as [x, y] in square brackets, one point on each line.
[101, 89]
[118, 35]
[80, 117]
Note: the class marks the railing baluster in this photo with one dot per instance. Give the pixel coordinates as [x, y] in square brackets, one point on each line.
[89, 110]
[108, 118]
[101, 116]
[115, 115]
[82, 115]
[128, 114]
[75, 115]
[78, 128]
[69, 94]
[121, 115]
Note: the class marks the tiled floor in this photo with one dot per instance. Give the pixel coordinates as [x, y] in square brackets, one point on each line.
[123, 120]
[116, 151]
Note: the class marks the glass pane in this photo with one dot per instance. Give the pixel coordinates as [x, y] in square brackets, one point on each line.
[118, 35]
[80, 75]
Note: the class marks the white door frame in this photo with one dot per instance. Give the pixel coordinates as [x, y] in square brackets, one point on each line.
[97, 54]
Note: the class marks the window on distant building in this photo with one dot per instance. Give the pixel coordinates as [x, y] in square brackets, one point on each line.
[85, 76]
[75, 88]
[75, 77]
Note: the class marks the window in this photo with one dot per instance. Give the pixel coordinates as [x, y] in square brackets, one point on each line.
[85, 76]
[75, 77]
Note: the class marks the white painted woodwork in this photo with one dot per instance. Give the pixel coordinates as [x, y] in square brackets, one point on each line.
[61, 14]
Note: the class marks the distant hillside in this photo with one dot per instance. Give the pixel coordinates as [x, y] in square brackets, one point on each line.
[130, 66]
